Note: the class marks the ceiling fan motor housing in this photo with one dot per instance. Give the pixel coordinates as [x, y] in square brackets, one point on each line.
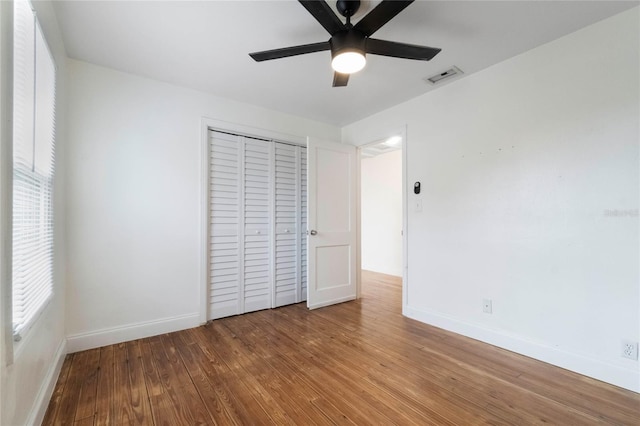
[347, 41]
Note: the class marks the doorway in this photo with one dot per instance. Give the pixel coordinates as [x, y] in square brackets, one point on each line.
[382, 223]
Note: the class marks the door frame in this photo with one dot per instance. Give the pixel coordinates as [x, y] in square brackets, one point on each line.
[207, 124]
[398, 131]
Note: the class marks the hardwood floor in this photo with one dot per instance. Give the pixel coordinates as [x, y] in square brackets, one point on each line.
[359, 363]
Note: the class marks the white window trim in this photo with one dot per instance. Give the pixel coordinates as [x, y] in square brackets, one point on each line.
[6, 159]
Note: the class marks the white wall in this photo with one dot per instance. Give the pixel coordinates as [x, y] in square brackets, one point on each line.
[133, 199]
[27, 383]
[521, 166]
[381, 213]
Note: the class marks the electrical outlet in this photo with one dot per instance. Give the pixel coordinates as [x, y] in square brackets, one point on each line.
[629, 349]
[487, 306]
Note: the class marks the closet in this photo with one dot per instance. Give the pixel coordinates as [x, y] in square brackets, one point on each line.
[257, 224]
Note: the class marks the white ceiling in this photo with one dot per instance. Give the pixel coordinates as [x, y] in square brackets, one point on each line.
[204, 45]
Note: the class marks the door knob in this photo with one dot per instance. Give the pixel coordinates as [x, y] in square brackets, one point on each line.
[313, 232]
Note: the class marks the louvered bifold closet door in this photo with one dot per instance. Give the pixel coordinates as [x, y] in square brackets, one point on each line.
[303, 223]
[257, 224]
[225, 225]
[287, 225]
[257, 235]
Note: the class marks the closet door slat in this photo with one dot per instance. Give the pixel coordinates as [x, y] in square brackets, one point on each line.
[257, 240]
[224, 225]
[285, 224]
[303, 224]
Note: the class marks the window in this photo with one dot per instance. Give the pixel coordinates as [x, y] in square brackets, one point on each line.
[33, 170]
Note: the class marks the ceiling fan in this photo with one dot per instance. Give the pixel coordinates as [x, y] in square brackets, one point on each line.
[350, 43]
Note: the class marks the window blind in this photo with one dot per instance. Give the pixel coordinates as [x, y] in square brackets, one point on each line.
[33, 170]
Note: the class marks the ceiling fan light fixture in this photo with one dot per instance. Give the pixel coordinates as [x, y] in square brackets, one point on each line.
[348, 51]
[348, 62]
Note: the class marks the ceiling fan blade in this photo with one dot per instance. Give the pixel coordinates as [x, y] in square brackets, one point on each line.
[380, 15]
[290, 51]
[401, 50]
[340, 79]
[324, 15]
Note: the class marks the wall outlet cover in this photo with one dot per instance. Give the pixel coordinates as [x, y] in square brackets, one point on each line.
[630, 349]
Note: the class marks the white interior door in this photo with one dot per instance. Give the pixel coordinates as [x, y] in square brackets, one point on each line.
[332, 223]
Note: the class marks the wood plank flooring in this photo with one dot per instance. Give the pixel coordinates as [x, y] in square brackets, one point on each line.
[358, 363]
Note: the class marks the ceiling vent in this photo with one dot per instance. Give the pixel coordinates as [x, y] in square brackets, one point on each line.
[445, 75]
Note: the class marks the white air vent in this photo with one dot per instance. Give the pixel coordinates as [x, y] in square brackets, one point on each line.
[445, 75]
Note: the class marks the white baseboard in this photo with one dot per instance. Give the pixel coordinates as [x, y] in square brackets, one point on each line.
[125, 333]
[45, 392]
[613, 374]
